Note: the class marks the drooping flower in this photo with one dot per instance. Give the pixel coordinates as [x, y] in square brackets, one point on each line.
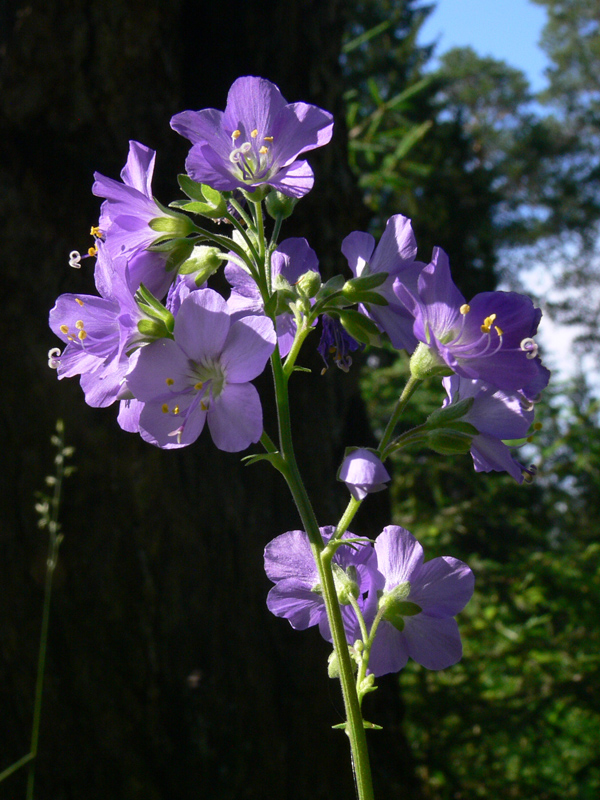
[418, 603]
[336, 343]
[395, 254]
[297, 593]
[98, 331]
[363, 473]
[292, 258]
[128, 208]
[497, 416]
[255, 141]
[490, 338]
[203, 375]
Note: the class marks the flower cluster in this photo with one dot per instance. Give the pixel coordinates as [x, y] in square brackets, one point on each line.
[177, 355]
[406, 605]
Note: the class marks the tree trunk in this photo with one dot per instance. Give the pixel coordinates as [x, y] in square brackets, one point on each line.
[167, 677]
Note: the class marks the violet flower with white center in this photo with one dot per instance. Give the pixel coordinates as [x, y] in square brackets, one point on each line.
[297, 594]
[255, 141]
[363, 473]
[497, 416]
[395, 254]
[202, 375]
[336, 343]
[416, 605]
[490, 338]
[98, 331]
[128, 208]
[292, 258]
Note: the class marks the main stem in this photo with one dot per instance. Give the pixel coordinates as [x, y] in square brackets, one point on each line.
[354, 721]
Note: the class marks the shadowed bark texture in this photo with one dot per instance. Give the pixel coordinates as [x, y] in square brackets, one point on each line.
[167, 678]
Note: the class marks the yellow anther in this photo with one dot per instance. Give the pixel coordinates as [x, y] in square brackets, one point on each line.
[499, 330]
[71, 338]
[268, 138]
[198, 386]
[165, 408]
[236, 134]
[530, 439]
[169, 381]
[263, 150]
[176, 409]
[464, 309]
[64, 329]
[203, 406]
[254, 133]
[95, 231]
[92, 251]
[79, 325]
[487, 323]
[537, 426]
[78, 301]
[82, 335]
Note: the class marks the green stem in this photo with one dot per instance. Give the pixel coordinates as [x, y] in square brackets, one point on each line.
[348, 516]
[17, 765]
[411, 386]
[53, 545]
[354, 724]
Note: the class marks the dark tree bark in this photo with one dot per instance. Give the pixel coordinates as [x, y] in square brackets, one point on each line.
[167, 678]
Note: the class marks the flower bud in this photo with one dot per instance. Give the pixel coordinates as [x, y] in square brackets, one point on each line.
[280, 206]
[204, 261]
[309, 283]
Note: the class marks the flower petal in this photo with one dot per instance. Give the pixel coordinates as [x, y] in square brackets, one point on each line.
[433, 643]
[235, 418]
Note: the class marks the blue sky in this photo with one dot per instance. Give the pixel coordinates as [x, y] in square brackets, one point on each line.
[505, 29]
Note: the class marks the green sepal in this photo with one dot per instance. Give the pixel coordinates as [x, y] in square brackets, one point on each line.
[179, 225]
[448, 442]
[359, 290]
[153, 308]
[191, 188]
[256, 195]
[360, 327]
[206, 201]
[365, 282]
[153, 329]
[366, 297]
[271, 304]
[441, 416]
[180, 252]
[332, 286]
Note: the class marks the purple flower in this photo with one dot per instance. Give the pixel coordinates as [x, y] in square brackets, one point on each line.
[98, 331]
[337, 343]
[203, 375]
[363, 472]
[490, 338]
[255, 141]
[395, 254]
[297, 594]
[497, 416]
[291, 259]
[124, 218]
[418, 603]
